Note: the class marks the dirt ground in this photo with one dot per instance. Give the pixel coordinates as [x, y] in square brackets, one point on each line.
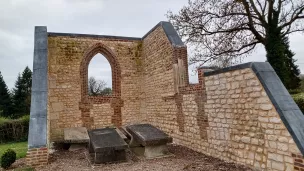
[184, 159]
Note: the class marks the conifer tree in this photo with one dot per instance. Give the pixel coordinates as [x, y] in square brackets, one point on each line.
[22, 93]
[293, 69]
[5, 99]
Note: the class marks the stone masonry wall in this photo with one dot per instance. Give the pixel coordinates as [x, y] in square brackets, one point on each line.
[227, 115]
[244, 126]
[66, 107]
[158, 82]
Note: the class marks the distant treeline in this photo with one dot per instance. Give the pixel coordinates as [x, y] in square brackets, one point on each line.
[16, 103]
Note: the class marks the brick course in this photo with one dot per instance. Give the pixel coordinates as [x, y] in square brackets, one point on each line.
[37, 157]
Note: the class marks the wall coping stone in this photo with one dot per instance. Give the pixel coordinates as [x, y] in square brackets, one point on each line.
[75, 35]
[167, 27]
[288, 110]
[170, 33]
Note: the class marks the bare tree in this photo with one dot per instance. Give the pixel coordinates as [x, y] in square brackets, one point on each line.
[233, 28]
[95, 86]
[224, 61]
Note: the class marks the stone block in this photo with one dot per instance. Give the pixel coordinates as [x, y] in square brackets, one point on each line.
[275, 120]
[245, 139]
[57, 106]
[275, 157]
[277, 166]
[266, 107]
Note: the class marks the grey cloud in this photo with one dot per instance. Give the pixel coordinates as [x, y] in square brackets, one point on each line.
[108, 17]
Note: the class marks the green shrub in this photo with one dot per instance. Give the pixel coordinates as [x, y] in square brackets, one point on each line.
[14, 129]
[299, 99]
[8, 158]
[295, 91]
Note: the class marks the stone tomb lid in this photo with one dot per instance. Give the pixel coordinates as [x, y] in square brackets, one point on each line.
[76, 135]
[147, 134]
[106, 139]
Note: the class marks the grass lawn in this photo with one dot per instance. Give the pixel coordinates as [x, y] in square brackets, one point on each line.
[20, 148]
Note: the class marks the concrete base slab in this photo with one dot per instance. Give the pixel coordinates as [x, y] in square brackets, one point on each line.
[76, 135]
[152, 152]
[76, 147]
[111, 156]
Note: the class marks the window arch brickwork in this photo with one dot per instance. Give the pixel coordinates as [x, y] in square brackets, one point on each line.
[115, 98]
[116, 72]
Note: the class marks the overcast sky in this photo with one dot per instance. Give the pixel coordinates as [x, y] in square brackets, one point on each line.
[106, 17]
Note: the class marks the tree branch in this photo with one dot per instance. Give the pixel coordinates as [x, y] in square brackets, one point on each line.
[296, 16]
[261, 18]
[254, 31]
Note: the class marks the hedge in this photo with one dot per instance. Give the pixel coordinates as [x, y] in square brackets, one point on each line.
[14, 129]
[299, 99]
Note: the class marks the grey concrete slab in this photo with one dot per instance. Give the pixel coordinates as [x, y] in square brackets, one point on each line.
[107, 146]
[42, 78]
[38, 115]
[147, 135]
[38, 108]
[40, 63]
[106, 139]
[37, 132]
[76, 135]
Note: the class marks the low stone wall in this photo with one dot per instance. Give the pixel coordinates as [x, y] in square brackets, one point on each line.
[243, 125]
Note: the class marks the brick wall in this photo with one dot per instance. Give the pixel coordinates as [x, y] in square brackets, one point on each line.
[68, 102]
[227, 115]
[158, 81]
[37, 157]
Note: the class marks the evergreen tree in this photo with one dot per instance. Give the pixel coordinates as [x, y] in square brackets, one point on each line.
[27, 82]
[5, 99]
[19, 98]
[294, 71]
[275, 50]
[22, 93]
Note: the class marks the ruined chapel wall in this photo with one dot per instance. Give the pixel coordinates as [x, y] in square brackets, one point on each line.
[158, 82]
[161, 104]
[65, 55]
[227, 115]
[243, 125]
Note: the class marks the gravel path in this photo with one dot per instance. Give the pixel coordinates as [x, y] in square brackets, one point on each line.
[184, 160]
